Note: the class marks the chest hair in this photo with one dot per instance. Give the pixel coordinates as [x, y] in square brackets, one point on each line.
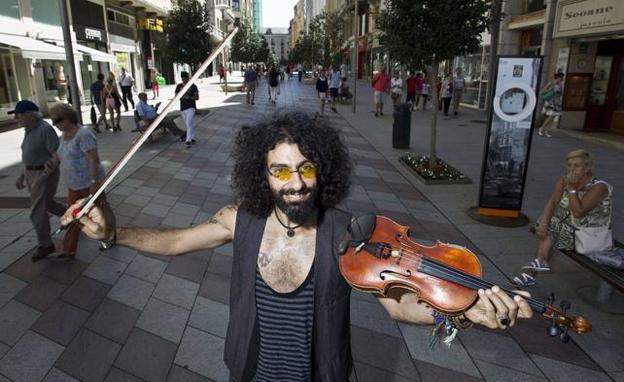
[284, 262]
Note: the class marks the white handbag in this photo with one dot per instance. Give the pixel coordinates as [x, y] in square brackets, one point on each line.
[589, 240]
[592, 239]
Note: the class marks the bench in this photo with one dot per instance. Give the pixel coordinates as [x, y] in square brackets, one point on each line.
[611, 278]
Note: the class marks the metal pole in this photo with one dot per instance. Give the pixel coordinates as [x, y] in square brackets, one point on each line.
[355, 52]
[494, 37]
[69, 55]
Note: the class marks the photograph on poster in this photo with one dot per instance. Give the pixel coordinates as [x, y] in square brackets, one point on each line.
[514, 102]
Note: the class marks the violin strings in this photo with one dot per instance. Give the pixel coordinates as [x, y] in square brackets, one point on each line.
[468, 279]
[413, 256]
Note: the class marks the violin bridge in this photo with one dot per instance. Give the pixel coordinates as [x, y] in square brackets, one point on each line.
[397, 254]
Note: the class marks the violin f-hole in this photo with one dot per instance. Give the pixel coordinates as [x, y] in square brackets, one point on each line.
[382, 274]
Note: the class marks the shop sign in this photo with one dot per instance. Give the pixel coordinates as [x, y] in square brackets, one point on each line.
[508, 137]
[151, 24]
[582, 17]
[93, 34]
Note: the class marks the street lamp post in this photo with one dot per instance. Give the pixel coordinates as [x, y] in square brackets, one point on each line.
[355, 47]
[69, 55]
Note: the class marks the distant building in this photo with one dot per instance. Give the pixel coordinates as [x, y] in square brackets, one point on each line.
[279, 42]
[257, 16]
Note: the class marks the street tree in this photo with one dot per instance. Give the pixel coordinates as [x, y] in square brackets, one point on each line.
[187, 30]
[243, 49]
[424, 33]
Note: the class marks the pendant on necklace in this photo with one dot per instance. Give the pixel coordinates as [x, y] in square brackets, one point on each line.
[290, 232]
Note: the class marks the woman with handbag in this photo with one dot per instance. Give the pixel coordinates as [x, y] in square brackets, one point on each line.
[552, 95]
[576, 217]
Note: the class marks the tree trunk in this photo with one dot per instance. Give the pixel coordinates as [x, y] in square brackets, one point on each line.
[432, 77]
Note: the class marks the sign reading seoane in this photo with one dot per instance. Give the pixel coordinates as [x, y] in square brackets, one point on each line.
[580, 17]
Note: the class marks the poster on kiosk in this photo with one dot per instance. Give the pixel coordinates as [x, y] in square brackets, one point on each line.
[508, 138]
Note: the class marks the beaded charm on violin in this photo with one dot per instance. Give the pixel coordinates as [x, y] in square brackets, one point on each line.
[378, 255]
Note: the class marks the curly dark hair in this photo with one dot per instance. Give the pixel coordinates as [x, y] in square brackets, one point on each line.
[317, 141]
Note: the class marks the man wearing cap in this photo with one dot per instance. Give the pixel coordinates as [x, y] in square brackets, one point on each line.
[40, 172]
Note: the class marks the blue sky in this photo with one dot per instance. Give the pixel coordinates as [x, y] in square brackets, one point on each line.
[277, 13]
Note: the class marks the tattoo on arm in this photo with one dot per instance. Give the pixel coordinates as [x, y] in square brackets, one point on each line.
[213, 220]
[264, 259]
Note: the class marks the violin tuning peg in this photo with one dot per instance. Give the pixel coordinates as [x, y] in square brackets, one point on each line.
[551, 298]
[565, 305]
[564, 337]
[553, 330]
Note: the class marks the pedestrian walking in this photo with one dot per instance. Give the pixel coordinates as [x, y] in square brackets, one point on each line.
[188, 106]
[552, 94]
[420, 82]
[96, 99]
[458, 89]
[221, 72]
[300, 71]
[321, 90]
[110, 99]
[273, 80]
[288, 71]
[396, 88]
[250, 83]
[334, 86]
[426, 91]
[40, 173]
[410, 90]
[81, 168]
[381, 84]
[126, 83]
[446, 92]
[153, 77]
[289, 314]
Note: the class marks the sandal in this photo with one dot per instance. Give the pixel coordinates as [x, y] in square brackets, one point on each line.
[523, 280]
[537, 265]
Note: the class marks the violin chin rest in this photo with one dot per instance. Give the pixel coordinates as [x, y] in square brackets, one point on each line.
[359, 231]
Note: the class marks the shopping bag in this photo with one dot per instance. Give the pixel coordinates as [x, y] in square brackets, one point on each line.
[93, 115]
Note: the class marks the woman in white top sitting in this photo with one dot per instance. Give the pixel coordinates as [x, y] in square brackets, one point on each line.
[578, 200]
[396, 88]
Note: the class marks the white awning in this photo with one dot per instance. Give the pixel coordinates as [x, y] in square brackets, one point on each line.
[34, 49]
[96, 55]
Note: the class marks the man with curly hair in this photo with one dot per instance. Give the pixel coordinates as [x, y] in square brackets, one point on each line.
[289, 304]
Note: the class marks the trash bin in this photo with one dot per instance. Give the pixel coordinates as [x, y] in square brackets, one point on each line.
[401, 126]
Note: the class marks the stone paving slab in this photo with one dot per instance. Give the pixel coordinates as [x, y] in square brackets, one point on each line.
[130, 316]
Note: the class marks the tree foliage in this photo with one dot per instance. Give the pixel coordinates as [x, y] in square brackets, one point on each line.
[322, 40]
[419, 33]
[187, 30]
[423, 33]
[248, 46]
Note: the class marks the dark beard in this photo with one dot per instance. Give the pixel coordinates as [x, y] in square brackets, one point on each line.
[297, 213]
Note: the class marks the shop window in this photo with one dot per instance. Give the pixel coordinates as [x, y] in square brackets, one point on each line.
[56, 80]
[46, 11]
[9, 8]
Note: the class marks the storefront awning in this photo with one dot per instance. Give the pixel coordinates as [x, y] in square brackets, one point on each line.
[96, 55]
[33, 49]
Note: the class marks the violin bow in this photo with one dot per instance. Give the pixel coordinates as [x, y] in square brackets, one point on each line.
[88, 203]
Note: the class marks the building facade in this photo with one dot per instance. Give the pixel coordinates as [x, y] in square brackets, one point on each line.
[257, 16]
[105, 37]
[279, 43]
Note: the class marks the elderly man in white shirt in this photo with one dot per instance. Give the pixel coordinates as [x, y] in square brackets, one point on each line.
[126, 82]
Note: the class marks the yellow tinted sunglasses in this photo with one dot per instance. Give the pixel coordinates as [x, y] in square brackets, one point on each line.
[284, 174]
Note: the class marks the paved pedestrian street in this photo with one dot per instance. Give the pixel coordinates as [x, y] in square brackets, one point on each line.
[124, 315]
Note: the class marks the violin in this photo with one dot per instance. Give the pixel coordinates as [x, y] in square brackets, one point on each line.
[378, 255]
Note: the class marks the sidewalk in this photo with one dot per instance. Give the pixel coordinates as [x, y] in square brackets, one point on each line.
[122, 314]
